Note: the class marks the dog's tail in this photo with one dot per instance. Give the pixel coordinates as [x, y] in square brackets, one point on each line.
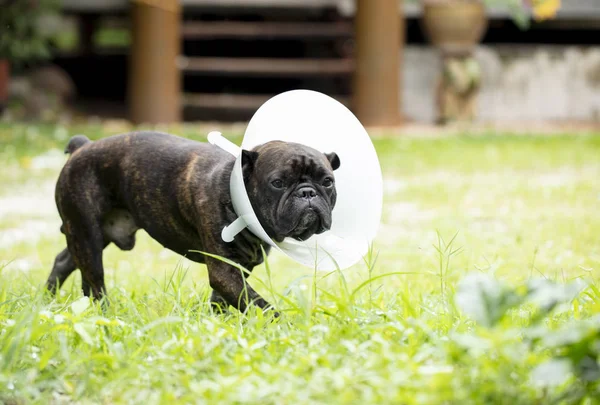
[76, 142]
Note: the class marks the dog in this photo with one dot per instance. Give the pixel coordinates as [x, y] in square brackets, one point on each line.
[177, 190]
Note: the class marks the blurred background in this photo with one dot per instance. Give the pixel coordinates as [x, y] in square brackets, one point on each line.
[392, 62]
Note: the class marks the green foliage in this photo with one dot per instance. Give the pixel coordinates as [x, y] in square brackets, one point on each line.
[571, 373]
[499, 306]
[26, 29]
[166, 345]
[516, 8]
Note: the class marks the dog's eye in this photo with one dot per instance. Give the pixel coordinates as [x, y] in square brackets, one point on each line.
[328, 182]
[277, 183]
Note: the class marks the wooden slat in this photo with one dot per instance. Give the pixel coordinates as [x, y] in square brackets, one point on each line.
[266, 66]
[224, 101]
[269, 30]
[232, 101]
[104, 51]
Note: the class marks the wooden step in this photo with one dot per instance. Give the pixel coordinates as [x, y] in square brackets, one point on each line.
[233, 101]
[266, 66]
[265, 30]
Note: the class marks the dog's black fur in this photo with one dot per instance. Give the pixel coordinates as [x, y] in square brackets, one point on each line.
[177, 190]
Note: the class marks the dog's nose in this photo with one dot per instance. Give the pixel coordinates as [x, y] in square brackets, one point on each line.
[306, 193]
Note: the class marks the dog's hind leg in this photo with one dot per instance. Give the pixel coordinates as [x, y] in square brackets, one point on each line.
[82, 225]
[62, 269]
[86, 244]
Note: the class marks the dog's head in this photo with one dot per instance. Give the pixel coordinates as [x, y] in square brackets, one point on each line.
[291, 188]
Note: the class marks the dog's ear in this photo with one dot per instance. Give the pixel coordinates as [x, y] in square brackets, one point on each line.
[248, 160]
[334, 160]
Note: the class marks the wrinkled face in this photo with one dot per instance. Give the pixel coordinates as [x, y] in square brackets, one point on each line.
[291, 188]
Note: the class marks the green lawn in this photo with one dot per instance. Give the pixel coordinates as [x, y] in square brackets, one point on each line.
[516, 218]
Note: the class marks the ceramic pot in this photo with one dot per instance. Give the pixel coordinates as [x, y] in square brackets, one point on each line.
[454, 26]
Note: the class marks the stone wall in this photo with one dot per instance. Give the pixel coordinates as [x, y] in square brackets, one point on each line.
[520, 83]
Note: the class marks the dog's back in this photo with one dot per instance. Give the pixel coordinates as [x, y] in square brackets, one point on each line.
[147, 180]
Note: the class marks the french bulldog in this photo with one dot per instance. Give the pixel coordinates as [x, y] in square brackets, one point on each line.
[177, 190]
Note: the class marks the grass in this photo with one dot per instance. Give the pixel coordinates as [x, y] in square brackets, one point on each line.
[400, 328]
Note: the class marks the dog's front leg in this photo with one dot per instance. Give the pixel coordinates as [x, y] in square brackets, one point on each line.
[218, 303]
[230, 283]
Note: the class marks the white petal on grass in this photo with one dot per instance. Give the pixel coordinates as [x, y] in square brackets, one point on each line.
[80, 305]
[436, 369]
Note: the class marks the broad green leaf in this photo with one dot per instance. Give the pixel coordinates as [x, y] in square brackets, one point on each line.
[588, 368]
[552, 373]
[572, 333]
[547, 294]
[485, 299]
